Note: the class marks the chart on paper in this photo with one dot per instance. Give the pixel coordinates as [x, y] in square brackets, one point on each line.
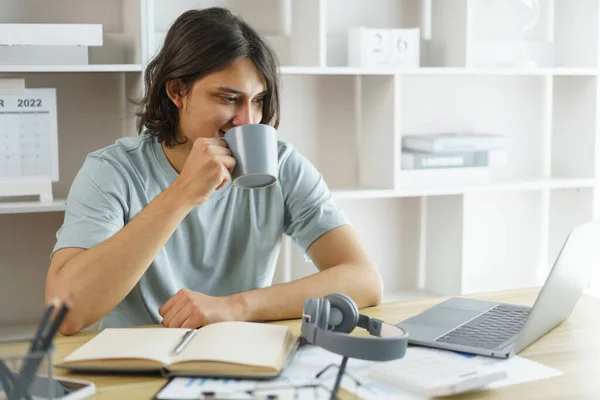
[28, 135]
[181, 388]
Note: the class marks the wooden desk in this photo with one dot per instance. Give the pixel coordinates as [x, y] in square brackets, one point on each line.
[573, 348]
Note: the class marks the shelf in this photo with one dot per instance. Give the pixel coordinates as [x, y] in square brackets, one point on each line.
[441, 190]
[513, 185]
[73, 68]
[336, 71]
[292, 70]
[366, 194]
[438, 71]
[23, 207]
[559, 71]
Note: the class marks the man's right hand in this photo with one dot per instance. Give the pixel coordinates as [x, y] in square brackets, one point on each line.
[207, 168]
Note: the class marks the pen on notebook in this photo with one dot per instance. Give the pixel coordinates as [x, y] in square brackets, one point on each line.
[185, 339]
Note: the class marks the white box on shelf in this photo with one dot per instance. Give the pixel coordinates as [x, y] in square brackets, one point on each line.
[405, 47]
[28, 143]
[51, 34]
[383, 47]
[44, 55]
[368, 47]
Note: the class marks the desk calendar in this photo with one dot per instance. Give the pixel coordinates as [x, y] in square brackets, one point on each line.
[28, 143]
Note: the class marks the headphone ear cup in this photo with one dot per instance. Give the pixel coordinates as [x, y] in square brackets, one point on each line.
[323, 314]
[344, 313]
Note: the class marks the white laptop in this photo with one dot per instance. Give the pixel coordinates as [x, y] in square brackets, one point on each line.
[502, 330]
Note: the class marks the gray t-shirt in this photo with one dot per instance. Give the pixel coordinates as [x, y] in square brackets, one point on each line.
[226, 245]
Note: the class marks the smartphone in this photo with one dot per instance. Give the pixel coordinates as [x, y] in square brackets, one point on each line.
[60, 388]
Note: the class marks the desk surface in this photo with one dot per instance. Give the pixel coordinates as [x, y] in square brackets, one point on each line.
[573, 348]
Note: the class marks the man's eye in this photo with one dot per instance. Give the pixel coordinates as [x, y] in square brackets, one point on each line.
[230, 99]
[260, 100]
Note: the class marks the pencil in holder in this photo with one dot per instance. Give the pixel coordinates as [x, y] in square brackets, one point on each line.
[19, 368]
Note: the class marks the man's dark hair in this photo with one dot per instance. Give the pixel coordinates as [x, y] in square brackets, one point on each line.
[199, 43]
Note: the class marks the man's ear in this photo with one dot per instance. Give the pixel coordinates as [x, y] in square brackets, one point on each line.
[177, 92]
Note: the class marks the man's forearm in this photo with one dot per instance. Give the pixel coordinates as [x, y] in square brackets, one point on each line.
[362, 283]
[99, 278]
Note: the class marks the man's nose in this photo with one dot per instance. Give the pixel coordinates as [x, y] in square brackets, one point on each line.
[247, 114]
[243, 116]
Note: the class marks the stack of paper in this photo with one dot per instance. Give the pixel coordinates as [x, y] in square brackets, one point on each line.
[298, 381]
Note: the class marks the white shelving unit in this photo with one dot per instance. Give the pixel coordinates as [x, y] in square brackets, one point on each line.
[427, 236]
[22, 207]
[445, 71]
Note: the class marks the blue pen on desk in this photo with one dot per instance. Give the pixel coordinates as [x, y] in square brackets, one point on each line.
[185, 339]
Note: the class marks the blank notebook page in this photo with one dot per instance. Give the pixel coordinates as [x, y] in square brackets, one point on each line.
[237, 342]
[124, 343]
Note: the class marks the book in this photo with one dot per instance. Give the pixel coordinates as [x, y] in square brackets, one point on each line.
[423, 160]
[223, 349]
[454, 142]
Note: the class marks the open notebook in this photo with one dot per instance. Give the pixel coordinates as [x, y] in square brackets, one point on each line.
[225, 349]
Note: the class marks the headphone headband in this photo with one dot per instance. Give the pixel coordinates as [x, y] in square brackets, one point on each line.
[389, 343]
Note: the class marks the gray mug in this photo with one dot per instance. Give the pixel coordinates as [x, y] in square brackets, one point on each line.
[254, 147]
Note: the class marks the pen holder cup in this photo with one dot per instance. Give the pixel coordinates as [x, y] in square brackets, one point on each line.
[19, 368]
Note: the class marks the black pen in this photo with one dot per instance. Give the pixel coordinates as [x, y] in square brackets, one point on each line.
[185, 339]
[43, 325]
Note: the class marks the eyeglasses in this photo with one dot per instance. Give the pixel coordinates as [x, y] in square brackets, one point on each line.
[291, 389]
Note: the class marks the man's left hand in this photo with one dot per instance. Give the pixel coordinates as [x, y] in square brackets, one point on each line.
[189, 309]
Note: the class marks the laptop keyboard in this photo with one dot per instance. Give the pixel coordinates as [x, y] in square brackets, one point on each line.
[490, 329]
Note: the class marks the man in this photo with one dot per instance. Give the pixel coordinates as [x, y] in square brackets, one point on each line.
[154, 232]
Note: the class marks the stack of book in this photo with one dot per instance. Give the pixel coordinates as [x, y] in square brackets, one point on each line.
[453, 150]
